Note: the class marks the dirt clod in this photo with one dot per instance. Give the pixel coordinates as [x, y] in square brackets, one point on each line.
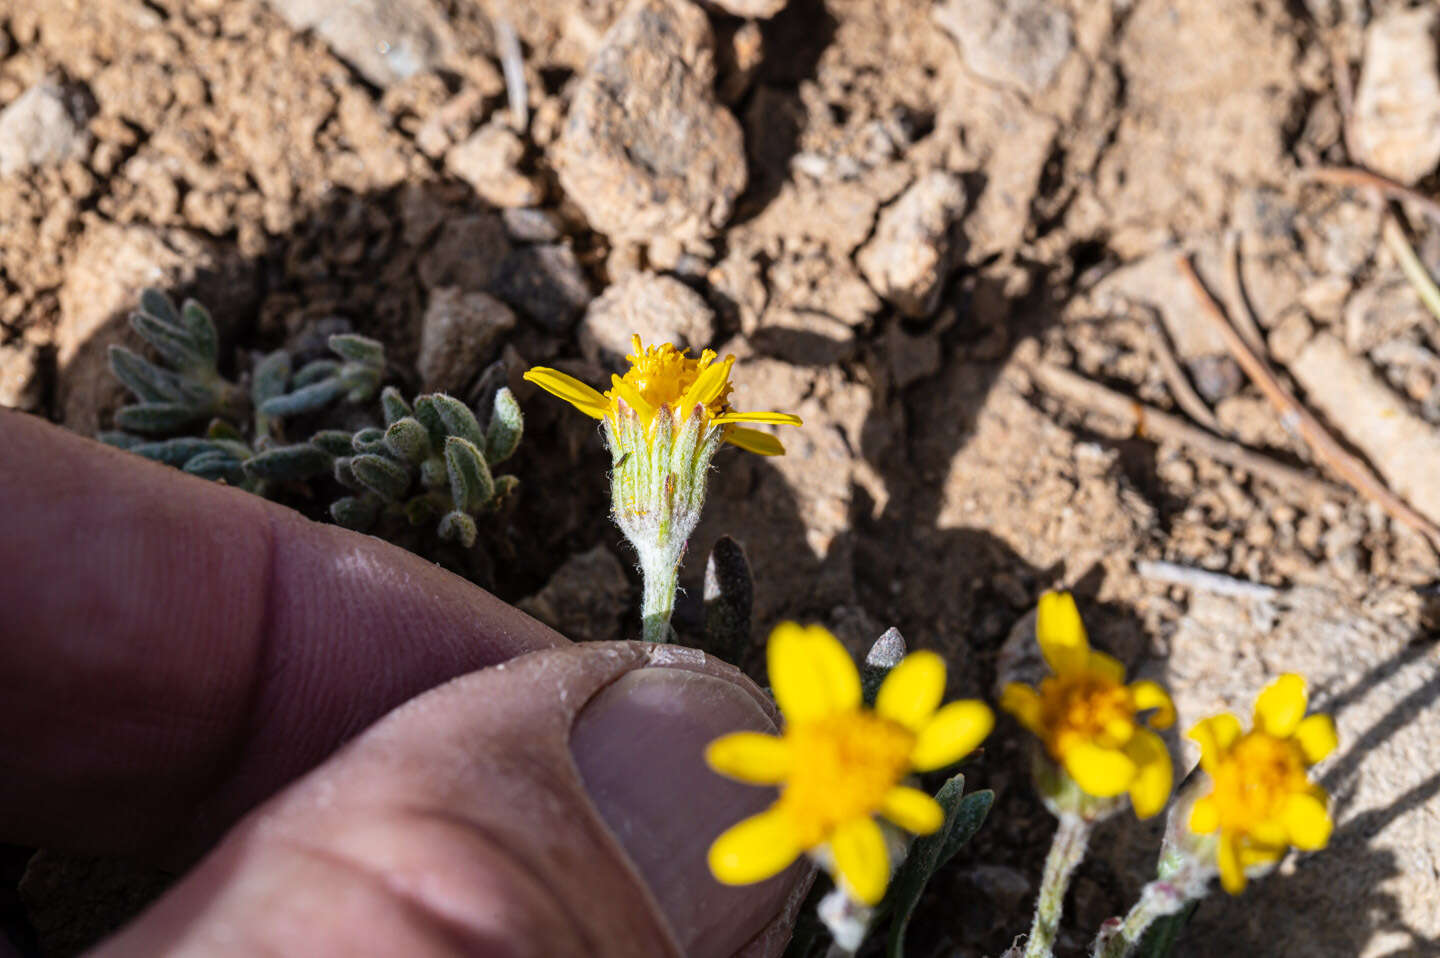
[659, 309]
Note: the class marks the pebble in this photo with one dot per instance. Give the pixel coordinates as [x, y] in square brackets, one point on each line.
[385, 40]
[1014, 43]
[467, 252]
[1397, 102]
[545, 283]
[585, 598]
[488, 160]
[659, 309]
[459, 335]
[20, 376]
[44, 126]
[910, 255]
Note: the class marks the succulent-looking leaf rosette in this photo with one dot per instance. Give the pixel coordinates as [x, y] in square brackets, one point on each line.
[664, 421]
[838, 764]
[1261, 799]
[1086, 717]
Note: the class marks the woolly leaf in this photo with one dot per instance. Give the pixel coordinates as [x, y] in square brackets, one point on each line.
[429, 415]
[433, 473]
[458, 527]
[385, 478]
[355, 513]
[337, 442]
[345, 474]
[394, 405]
[290, 463]
[407, 439]
[507, 424]
[315, 371]
[271, 376]
[160, 306]
[170, 342]
[458, 419]
[303, 400]
[195, 319]
[471, 484]
[157, 418]
[370, 440]
[178, 451]
[120, 440]
[148, 382]
[216, 466]
[358, 349]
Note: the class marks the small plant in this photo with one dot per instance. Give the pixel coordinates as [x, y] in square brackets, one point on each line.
[431, 463]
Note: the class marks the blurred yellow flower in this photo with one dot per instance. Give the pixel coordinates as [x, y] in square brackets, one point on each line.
[1263, 801]
[663, 380]
[1086, 715]
[839, 763]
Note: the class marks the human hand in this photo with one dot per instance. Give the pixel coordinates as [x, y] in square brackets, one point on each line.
[176, 653]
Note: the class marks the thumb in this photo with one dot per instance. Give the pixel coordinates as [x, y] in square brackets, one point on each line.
[554, 805]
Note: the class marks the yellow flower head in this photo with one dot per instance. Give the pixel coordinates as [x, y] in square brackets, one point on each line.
[1086, 715]
[839, 763]
[664, 381]
[1262, 800]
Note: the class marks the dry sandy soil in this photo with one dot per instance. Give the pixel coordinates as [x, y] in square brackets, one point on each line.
[893, 212]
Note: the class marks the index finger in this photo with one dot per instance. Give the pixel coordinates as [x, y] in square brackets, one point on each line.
[172, 651]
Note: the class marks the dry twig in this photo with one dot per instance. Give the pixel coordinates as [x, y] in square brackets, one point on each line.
[1154, 424]
[1302, 422]
[1199, 580]
[1181, 391]
[512, 65]
[1239, 302]
[1352, 176]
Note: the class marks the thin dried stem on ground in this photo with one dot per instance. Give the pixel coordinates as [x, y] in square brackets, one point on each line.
[1239, 302]
[1181, 391]
[1326, 448]
[1157, 425]
[1424, 284]
[1202, 580]
[1360, 178]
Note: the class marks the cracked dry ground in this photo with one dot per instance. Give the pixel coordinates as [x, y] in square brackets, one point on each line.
[890, 211]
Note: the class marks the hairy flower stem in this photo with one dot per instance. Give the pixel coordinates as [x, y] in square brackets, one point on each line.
[1066, 853]
[1183, 880]
[658, 601]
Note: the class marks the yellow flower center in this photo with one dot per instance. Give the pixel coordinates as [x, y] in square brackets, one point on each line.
[1085, 707]
[662, 375]
[845, 764]
[1255, 778]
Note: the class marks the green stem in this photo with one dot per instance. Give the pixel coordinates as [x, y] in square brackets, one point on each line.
[1179, 886]
[1066, 852]
[658, 602]
[1411, 266]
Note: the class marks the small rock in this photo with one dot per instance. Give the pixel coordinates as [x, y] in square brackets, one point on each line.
[910, 254]
[646, 150]
[585, 598]
[468, 253]
[740, 49]
[1290, 336]
[459, 335]
[20, 376]
[751, 9]
[488, 161]
[531, 226]
[385, 40]
[1397, 103]
[545, 283]
[658, 309]
[1216, 377]
[1017, 43]
[44, 126]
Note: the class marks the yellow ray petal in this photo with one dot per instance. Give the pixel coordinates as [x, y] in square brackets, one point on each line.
[709, 384]
[769, 418]
[1102, 772]
[1152, 695]
[861, 859]
[1106, 666]
[1150, 789]
[1316, 735]
[1227, 857]
[753, 440]
[912, 810]
[570, 389]
[1307, 823]
[1061, 634]
[1204, 816]
[1281, 706]
[1025, 704]
[755, 849]
[951, 734]
[912, 691]
[750, 757]
[811, 674]
[1215, 735]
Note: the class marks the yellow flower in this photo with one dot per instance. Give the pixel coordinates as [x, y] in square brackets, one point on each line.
[663, 380]
[839, 763]
[1085, 714]
[1262, 800]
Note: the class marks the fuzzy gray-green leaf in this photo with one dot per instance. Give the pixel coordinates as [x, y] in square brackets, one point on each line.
[196, 321]
[345, 474]
[119, 439]
[358, 349]
[148, 382]
[303, 400]
[157, 418]
[337, 442]
[458, 419]
[271, 376]
[429, 415]
[458, 527]
[314, 372]
[370, 439]
[471, 484]
[290, 463]
[169, 341]
[394, 405]
[387, 479]
[507, 425]
[178, 451]
[215, 466]
[355, 513]
[408, 440]
[157, 304]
